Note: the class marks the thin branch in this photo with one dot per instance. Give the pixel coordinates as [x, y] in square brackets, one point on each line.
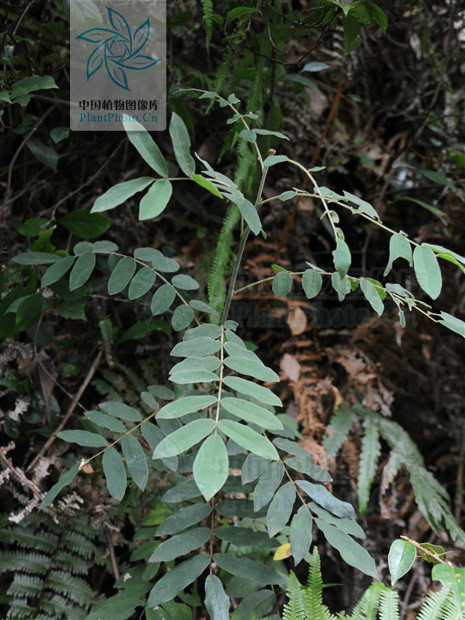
[51, 440]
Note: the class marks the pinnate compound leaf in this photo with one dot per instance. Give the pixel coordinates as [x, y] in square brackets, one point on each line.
[252, 413]
[247, 569]
[301, 534]
[184, 518]
[181, 544]
[280, 508]
[282, 284]
[162, 299]
[115, 473]
[182, 317]
[211, 466]
[155, 200]
[119, 193]
[177, 579]
[372, 295]
[83, 438]
[311, 283]
[135, 460]
[141, 283]
[184, 438]
[351, 552]
[244, 386]
[57, 270]
[120, 410]
[181, 145]
[325, 499]
[249, 439]
[58, 486]
[216, 600]
[121, 275]
[399, 247]
[146, 147]
[342, 258]
[82, 270]
[401, 557]
[185, 405]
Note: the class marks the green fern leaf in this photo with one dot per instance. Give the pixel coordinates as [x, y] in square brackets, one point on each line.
[367, 607]
[294, 609]
[337, 431]
[371, 449]
[207, 7]
[389, 605]
[435, 603]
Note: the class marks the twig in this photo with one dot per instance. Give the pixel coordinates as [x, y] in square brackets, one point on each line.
[16, 155]
[19, 474]
[111, 549]
[69, 413]
[459, 483]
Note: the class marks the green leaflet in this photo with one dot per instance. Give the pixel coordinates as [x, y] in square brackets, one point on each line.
[247, 569]
[351, 552]
[301, 534]
[82, 270]
[249, 439]
[259, 392]
[119, 193]
[135, 460]
[141, 283]
[184, 438]
[325, 499]
[177, 579]
[155, 200]
[120, 276]
[216, 601]
[140, 138]
[181, 544]
[115, 473]
[181, 145]
[280, 508]
[427, 270]
[187, 404]
[58, 486]
[210, 468]
[251, 413]
[267, 484]
[184, 518]
[255, 369]
[282, 284]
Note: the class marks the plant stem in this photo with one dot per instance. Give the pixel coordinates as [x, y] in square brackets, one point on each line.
[240, 252]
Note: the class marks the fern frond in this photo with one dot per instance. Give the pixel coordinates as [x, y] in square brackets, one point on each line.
[370, 451]
[207, 8]
[313, 593]
[367, 607]
[294, 609]
[435, 604]
[389, 605]
[337, 431]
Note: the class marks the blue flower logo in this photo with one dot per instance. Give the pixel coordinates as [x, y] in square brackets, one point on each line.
[118, 49]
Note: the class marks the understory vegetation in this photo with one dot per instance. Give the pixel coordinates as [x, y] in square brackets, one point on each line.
[231, 352]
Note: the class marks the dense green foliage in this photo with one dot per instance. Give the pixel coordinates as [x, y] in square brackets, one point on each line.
[205, 490]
